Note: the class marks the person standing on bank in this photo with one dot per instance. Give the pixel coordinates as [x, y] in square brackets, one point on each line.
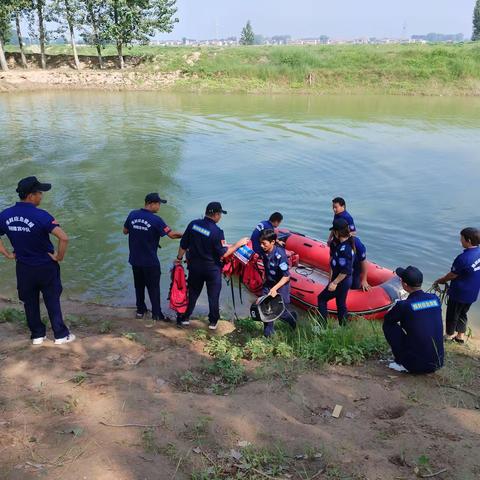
[341, 269]
[272, 223]
[277, 278]
[465, 285]
[205, 246]
[144, 229]
[37, 263]
[413, 327]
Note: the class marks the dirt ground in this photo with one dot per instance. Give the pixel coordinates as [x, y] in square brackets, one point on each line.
[53, 400]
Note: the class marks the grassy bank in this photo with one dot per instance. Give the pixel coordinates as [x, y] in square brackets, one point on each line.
[430, 69]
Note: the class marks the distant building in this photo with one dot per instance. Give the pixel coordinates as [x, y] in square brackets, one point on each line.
[438, 37]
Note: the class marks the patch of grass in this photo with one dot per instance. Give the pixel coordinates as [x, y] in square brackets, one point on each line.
[198, 335]
[285, 370]
[132, 336]
[13, 315]
[149, 442]
[219, 347]
[198, 430]
[189, 382]
[105, 327]
[258, 349]
[354, 343]
[79, 378]
[230, 372]
[76, 321]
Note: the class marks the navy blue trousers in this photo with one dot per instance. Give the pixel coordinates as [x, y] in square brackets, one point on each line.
[340, 295]
[412, 361]
[45, 279]
[199, 275]
[284, 292]
[147, 278]
[456, 319]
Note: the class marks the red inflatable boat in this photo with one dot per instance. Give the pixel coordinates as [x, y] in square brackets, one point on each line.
[310, 261]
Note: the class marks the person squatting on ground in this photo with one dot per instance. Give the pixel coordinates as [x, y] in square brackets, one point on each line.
[272, 223]
[277, 277]
[413, 327]
[341, 269]
[37, 263]
[144, 229]
[205, 246]
[464, 279]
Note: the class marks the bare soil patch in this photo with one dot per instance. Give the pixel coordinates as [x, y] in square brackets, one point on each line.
[114, 405]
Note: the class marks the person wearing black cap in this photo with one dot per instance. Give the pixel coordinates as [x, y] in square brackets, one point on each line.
[341, 269]
[37, 263]
[413, 327]
[144, 229]
[464, 279]
[205, 246]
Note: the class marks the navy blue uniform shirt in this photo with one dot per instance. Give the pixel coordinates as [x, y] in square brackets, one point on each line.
[465, 288]
[28, 228]
[360, 255]
[341, 260]
[276, 265]
[346, 216]
[255, 237]
[144, 232]
[204, 242]
[420, 316]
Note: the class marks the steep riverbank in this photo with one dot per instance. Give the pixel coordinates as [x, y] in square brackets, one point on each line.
[332, 69]
[126, 401]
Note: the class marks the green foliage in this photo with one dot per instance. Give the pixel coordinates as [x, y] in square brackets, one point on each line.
[476, 22]
[357, 341]
[258, 349]
[12, 315]
[230, 372]
[247, 36]
[221, 347]
[283, 350]
[105, 327]
[132, 336]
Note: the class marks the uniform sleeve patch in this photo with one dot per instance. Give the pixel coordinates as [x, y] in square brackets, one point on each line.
[342, 262]
[167, 229]
[224, 243]
[284, 266]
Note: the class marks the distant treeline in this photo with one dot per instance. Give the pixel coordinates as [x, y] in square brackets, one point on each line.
[98, 22]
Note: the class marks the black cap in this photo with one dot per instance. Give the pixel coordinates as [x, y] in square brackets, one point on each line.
[154, 198]
[30, 185]
[214, 207]
[339, 224]
[412, 276]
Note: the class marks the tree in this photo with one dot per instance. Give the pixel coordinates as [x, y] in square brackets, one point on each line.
[39, 7]
[95, 18]
[5, 33]
[135, 21]
[476, 22]
[19, 8]
[69, 11]
[247, 37]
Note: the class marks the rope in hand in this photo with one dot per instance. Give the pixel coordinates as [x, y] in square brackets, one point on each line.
[441, 293]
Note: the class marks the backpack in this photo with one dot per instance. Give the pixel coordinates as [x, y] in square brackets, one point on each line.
[178, 295]
[252, 276]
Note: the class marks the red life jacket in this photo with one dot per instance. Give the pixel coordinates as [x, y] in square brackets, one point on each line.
[178, 294]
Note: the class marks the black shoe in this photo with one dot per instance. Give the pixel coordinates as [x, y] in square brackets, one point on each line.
[459, 340]
[160, 317]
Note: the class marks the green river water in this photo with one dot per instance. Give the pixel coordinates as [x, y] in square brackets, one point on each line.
[408, 167]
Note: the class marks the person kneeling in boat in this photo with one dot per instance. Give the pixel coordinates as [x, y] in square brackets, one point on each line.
[272, 223]
[341, 270]
[413, 327]
[277, 277]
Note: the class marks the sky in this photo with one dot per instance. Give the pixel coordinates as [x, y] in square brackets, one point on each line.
[342, 19]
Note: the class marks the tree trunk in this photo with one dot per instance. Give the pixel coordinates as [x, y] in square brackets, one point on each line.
[120, 54]
[41, 29]
[3, 60]
[72, 33]
[20, 40]
[96, 36]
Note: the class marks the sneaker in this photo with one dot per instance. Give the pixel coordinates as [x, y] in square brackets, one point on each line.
[213, 326]
[67, 339]
[139, 315]
[185, 323]
[38, 341]
[161, 317]
[397, 367]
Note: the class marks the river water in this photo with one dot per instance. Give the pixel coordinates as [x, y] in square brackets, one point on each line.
[408, 167]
